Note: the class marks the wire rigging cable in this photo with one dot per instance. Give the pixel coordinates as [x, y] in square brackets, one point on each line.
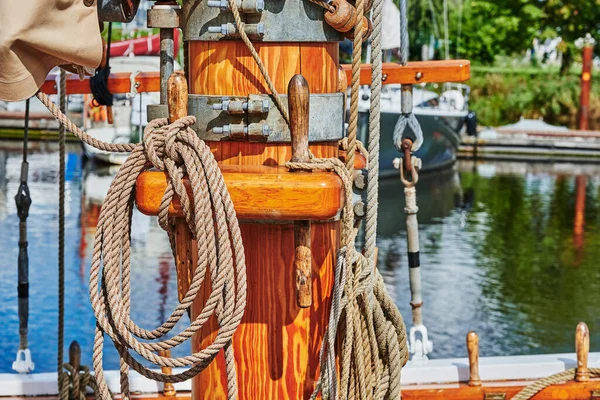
[23, 362]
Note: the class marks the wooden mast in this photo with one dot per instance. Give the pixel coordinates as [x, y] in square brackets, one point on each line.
[277, 344]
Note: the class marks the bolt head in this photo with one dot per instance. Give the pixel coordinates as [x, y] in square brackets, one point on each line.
[266, 130]
[266, 106]
[419, 75]
[384, 77]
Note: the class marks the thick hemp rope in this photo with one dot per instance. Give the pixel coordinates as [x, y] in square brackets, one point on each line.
[355, 83]
[373, 334]
[529, 391]
[210, 215]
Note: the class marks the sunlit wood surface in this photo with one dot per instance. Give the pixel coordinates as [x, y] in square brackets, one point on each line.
[277, 345]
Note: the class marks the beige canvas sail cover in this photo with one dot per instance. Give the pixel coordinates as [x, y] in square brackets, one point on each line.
[37, 35]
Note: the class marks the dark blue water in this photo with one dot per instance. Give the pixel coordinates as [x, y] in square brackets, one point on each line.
[154, 289]
[502, 252]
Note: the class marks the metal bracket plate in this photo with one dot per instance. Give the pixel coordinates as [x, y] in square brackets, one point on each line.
[326, 119]
[283, 21]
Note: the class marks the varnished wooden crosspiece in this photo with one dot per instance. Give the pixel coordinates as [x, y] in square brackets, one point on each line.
[298, 101]
[582, 347]
[417, 72]
[473, 352]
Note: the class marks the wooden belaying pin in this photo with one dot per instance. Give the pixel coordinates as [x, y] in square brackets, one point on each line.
[177, 96]
[298, 102]
[473, 352]
[168, 388]
[582, 347]
[75, 355]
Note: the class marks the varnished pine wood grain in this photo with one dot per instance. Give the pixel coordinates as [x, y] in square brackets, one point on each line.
[431, 71]
[298, 102]
[205, 57]
[117, 83]
[257, 192]
[277, 344]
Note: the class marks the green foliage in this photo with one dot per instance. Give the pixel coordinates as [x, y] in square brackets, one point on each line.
[482, 30]
[502, 98]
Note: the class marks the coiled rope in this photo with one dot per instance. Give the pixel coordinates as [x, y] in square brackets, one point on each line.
[210, 215]
[373, 333]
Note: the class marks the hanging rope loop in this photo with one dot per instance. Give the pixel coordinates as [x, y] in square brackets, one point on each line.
[177, 150]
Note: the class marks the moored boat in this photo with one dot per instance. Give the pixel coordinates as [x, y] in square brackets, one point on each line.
[441, 117]
[258, 209]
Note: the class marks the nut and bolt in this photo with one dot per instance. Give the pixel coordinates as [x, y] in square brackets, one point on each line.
[245, 6]
[238, 130]
[230, 29]
[240, 107]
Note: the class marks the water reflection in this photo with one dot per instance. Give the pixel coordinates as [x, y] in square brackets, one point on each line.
[154, 289]
[513, 258]
[508, 250]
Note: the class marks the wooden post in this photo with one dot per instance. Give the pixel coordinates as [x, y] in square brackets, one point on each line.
[582, 347]
[177, 96]
[586, 83]
[298, 102]
[277, 343]
[473, 351]
[75, 356]
[168, 388]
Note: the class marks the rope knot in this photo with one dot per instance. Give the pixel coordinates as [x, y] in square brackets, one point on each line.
[161, 140]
